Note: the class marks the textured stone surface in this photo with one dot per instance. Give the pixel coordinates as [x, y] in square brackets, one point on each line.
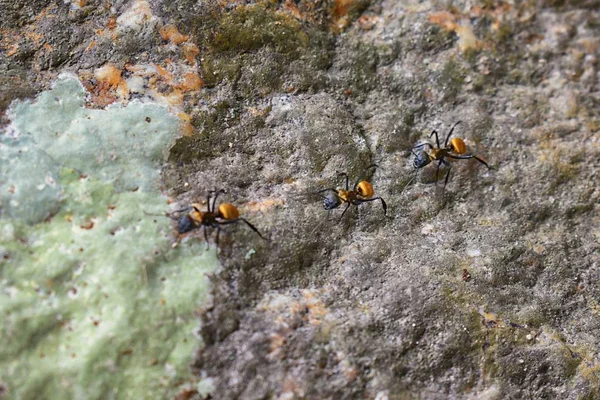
[486, 290]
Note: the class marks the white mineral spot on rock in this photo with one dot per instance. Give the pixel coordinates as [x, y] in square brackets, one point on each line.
[137, 17]
[473, 252]
[136, 84]
[427, 229]
[205, 387]
[381, 396]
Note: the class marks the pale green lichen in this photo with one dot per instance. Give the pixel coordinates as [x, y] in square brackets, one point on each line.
[95, 302]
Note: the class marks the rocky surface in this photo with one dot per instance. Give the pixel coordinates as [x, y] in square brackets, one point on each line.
[485, 290]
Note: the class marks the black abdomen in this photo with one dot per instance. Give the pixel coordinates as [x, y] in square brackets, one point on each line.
[185, 224]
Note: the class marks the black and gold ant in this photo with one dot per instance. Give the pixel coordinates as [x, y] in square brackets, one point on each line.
[362, 192]
[225, 214]
[455, 150]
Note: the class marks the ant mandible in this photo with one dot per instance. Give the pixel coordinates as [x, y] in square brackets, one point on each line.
[225, 214]
[456, 150]
[362, 192]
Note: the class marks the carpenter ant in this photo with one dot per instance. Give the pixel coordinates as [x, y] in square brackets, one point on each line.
[455, 150]
[362, 192]
[225, 214]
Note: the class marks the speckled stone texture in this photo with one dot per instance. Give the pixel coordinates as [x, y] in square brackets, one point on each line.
[488, 289]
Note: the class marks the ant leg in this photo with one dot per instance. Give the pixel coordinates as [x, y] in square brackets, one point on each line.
[217, 239]
[421, 145]
[325, 190]
[437, 140]
[233, 221]
[181, 210]
[345, 175]
[208, 200]
[217, 193]
[168, 215]
[483, 162]
[364, 173]
[346, 209]
[409, 181]
[469, 156]
[253, 228]
[447, 174]
[437, 171]
[376, 198]
[450, 133]
[206, 237]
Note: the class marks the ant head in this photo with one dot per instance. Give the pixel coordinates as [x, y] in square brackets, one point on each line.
[331, 201]
[421, 159]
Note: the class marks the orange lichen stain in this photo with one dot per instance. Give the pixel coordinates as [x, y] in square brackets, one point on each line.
[111, 23]
[141, 69]
[47, 12]
[491, 320]
[341, 7]
[90, 46]
[186, 127]
[109, 74]
[12, 50]
[466, 38]
[262, 206]
[259, 112]
[171, 34]
[590, 45]
[291, 7]
[89, 225]
[289, 386]
[110, 80]
[191, 82]
[104, 85]
[77, 4]
[190, 52]
[498, 9]
[307, 306]
[350, 372]
[277, 342]
[590, 371]
[34, 37]
[316, 308]
[174, 98]
[444, 19]
[166, 75]
[340, 17]
[367, 22]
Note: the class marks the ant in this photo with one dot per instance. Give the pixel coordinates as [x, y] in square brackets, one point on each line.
[362, 192]
[456, 150]
[225, 214]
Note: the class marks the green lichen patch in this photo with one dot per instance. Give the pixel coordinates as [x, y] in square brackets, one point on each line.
[252, 27]
[95, 301]
[275, 49]
[124, 145]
